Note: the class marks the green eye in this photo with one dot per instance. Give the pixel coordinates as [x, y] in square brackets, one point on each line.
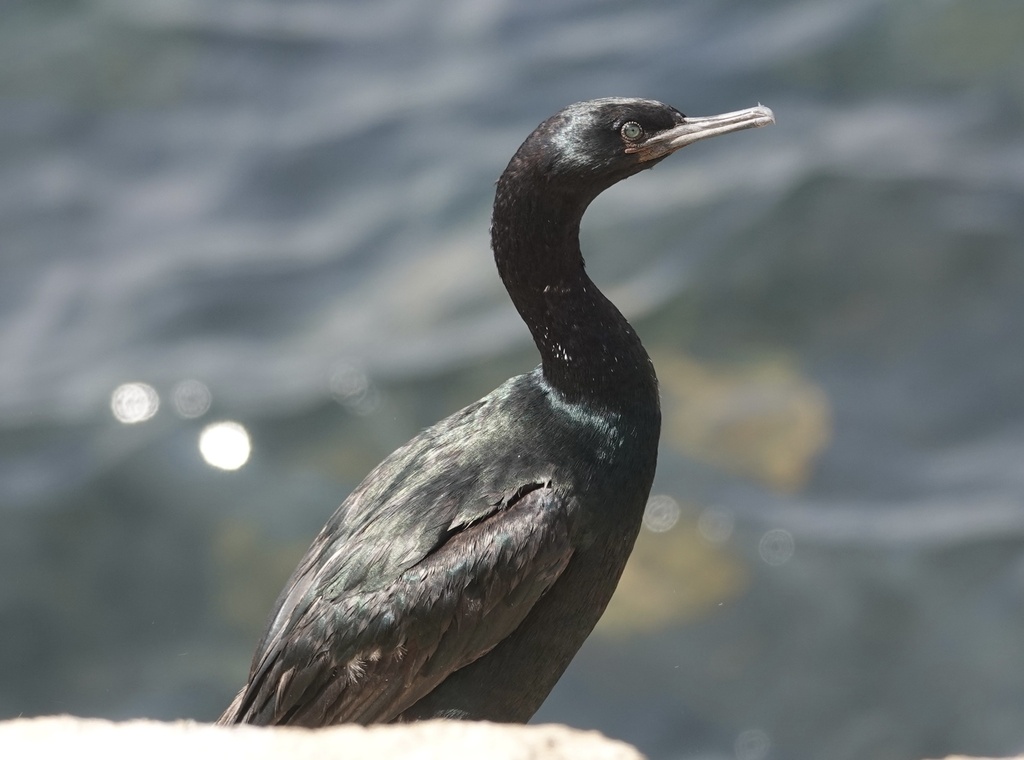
[632, 131]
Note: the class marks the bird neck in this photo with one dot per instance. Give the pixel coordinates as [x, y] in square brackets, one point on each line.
[589, 353]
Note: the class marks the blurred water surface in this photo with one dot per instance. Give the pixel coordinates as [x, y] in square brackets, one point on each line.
[275, 215]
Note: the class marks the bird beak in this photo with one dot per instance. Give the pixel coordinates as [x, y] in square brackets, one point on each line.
[696, 128]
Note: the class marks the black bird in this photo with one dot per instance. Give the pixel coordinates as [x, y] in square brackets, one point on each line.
[462, 575]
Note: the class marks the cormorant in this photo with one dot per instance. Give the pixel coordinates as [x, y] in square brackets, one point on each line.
[461, 576]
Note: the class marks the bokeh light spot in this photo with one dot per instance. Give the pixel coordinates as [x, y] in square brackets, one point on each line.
[134, 402]
[191, 399]
[662, 513]
[776, 547]
[225, 445]
[752, 744]
[352, 388]
[715, 525]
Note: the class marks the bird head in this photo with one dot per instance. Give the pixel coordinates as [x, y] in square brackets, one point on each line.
[597, 143]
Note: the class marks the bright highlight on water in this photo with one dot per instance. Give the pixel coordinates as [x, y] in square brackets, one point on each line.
[134, 402]
[225, 445]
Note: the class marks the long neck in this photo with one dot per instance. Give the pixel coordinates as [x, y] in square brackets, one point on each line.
[589, 353]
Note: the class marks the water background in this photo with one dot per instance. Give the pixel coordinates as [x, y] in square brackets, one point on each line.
[287, 203]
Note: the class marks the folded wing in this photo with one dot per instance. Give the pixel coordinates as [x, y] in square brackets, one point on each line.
[338, 653]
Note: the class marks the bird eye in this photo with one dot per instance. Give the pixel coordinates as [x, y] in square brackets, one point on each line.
[631, 131]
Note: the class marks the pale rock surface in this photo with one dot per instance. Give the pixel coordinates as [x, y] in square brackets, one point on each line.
[66, 736]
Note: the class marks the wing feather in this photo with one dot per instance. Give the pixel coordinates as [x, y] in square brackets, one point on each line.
[367, 655]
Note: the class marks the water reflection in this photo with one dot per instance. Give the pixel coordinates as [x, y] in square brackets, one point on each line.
[134, 402]
[225, 445]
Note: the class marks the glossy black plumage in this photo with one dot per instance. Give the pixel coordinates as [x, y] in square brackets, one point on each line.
[462, 575]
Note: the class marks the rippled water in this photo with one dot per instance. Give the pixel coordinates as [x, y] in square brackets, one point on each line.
[275, 215]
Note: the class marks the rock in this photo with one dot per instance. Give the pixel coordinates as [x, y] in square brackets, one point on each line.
[66, 736]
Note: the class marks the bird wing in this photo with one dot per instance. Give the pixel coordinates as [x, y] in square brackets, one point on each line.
[365, 654]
